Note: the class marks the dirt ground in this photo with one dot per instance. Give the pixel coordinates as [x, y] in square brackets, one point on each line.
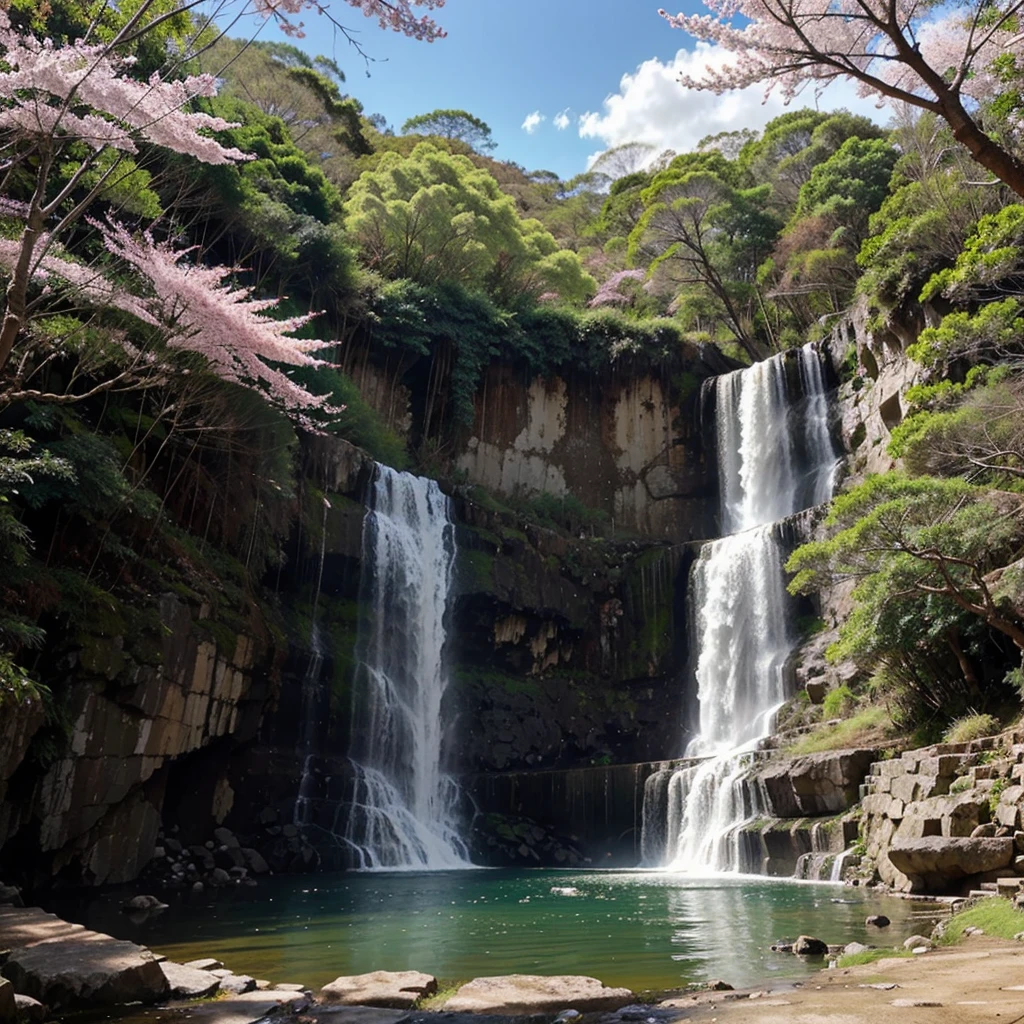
[981, 980]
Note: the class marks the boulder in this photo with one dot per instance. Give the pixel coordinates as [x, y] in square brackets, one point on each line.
[852, 948]
[145, 903]
[236, 984]
[396, 990]
[10, 895]
[934, 862]
[816, 784]
[531, 993]
[30, 1011]
[877, 921]
[808, 945]
[254, 861]
[8, 1006]
[86, 970]
[188, 982]
[918, 942]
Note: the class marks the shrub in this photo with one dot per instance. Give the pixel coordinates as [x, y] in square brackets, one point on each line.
[838, 702]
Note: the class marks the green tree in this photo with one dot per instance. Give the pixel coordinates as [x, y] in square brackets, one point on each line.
[905, 539]
[703, 231]
[434, 217]
[453, 124]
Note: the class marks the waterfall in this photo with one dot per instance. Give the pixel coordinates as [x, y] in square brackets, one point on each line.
[775, 457]
[404, 808]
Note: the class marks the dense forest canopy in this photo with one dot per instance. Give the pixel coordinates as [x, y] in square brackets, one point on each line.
[194, 246]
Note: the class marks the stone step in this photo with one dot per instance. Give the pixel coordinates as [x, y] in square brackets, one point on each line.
[1009, 886]
[979, 894]
[988, 886]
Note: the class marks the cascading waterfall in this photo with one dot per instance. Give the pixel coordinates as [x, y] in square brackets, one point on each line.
[775, 457]
[404, 808]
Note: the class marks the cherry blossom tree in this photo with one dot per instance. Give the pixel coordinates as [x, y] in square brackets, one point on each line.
[944, 59]
[57, 101]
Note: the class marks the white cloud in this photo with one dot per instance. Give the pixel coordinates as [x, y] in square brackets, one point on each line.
[651, 106]
[562, 120]
[532, 122]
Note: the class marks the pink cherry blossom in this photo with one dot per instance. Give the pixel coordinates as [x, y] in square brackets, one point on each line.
[610, 294]
[44, 80]
[223, 324]
[396, 14]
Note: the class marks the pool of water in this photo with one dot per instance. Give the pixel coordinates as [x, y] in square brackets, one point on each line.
[644, 930]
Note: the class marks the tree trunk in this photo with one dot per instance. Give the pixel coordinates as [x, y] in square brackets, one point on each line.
[1003, 164]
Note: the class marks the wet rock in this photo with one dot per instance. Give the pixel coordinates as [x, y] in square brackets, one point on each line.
[530, 993]
[189, 982]
[86, 970]
[144, 903]
[218, 876]
[398, 990]
[808, 945]
[30, 1011]
[877, 921]
[717, 985]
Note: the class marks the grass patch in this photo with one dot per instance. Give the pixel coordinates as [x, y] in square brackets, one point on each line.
[445, 990]
[971, 727]
[870, 956]
[995, 917]
[868, 728]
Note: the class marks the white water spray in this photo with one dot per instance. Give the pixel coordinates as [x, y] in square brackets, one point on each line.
[404, 808]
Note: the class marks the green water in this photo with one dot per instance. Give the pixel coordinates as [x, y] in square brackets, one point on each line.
[639, 929]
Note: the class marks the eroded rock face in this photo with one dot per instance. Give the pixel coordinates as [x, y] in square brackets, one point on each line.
[933, 861]
[86, 970]
[532, 993]
[396, 990]
[816, 784]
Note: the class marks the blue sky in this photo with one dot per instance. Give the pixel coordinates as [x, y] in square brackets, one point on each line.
[614, 60]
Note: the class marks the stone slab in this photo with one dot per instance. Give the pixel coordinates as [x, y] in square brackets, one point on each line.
[88, 969]
[397, 990]
[25, 926]
[188, 982]
[207, 963]
[246, 1008]
[533, 993]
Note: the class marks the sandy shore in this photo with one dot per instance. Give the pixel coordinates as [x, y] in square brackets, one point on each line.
[981, 980]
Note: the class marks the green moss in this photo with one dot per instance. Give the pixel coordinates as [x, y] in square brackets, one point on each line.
[479, 566]
[472, 676]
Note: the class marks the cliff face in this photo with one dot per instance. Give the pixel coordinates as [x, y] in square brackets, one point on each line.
[568, 649]
[624, 445]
